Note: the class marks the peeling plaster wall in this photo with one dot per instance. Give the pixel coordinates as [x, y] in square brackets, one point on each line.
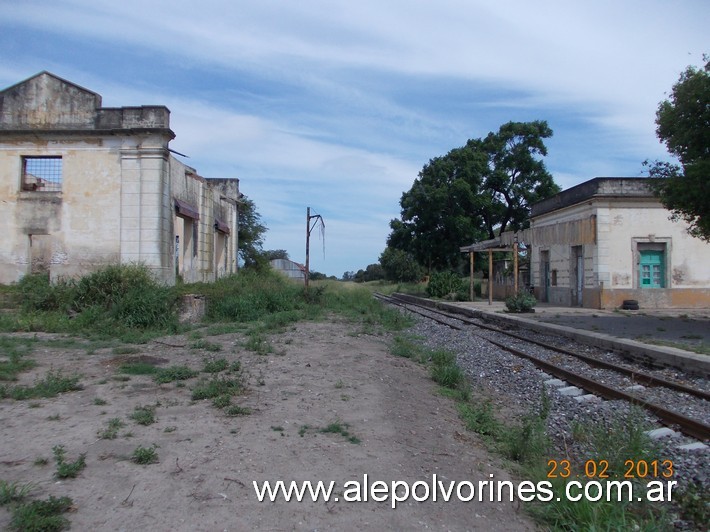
[213, 256]
[80, 224]
[611, 258]
[118, 190]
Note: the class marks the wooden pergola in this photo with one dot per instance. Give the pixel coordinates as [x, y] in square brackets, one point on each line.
[489, 246]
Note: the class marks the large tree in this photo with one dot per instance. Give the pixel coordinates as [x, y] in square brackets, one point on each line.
[399, 266]
[683, 124]
[251, 235]
[474, 191]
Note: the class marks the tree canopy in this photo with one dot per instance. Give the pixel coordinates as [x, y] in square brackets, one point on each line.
[683, 124]
[399, 266]
[251, 235]
[472, 193]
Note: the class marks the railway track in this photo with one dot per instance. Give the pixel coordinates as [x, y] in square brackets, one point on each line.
[581, 379]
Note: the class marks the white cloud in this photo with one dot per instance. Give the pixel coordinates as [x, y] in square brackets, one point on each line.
[338, 104]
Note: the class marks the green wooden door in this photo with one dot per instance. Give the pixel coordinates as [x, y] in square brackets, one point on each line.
[651, 269]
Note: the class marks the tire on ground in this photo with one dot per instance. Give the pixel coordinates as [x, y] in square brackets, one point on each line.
[630, 304]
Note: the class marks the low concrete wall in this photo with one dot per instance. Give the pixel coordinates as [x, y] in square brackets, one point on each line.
[657, 297]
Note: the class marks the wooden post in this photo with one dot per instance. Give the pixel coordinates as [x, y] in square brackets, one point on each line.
[490, 276]
[470, 285]
[515, 265]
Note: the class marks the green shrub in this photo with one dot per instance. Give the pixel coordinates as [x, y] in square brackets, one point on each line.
[38, 294]
[444, 284]
[520, 302]
[128, 294]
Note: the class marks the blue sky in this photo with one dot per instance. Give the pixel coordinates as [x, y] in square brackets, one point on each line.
[338, 105]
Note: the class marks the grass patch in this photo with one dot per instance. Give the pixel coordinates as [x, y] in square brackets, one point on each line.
[143, 415]
[236, 410]
[215, 366]
[445, 371]
[410, 347]
[479, 418]
[206, 345]
[67, 469]
[126, 350]
[335, 427]
[219, 329]
[138, 368]
[258, 343]
[111, 431]
[53, 383]
[13, 492]
[43, 515]
[216, 387]
[338, 427]
[174, 373]
[145, 455]
[222, 401]
[16, 351]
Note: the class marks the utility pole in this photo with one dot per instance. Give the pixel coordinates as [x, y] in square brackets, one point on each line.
[309, 228]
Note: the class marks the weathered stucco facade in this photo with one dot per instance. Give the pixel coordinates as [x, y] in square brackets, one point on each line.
[82, 186]
[605, 241]
[608, 240]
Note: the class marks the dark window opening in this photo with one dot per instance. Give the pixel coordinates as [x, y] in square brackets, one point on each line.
[42, 174]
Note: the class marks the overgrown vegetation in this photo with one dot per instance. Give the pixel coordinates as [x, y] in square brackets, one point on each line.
[114, 301]
[447, 285]
[127, 303]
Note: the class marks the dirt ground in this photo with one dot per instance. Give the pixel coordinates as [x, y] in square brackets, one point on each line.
[320, 373]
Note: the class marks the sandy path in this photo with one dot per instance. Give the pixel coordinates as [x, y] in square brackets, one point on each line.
[323, 373]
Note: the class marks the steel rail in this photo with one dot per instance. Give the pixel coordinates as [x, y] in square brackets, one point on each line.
[635, 375]
[689, 426]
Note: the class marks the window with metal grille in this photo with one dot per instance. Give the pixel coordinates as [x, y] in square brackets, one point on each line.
[42, 174]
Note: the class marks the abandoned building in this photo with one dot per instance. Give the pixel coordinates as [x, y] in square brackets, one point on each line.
[606, 241]
[83, 186]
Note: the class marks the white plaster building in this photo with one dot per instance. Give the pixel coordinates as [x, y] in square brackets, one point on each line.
[608, 240]
[83, 185]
